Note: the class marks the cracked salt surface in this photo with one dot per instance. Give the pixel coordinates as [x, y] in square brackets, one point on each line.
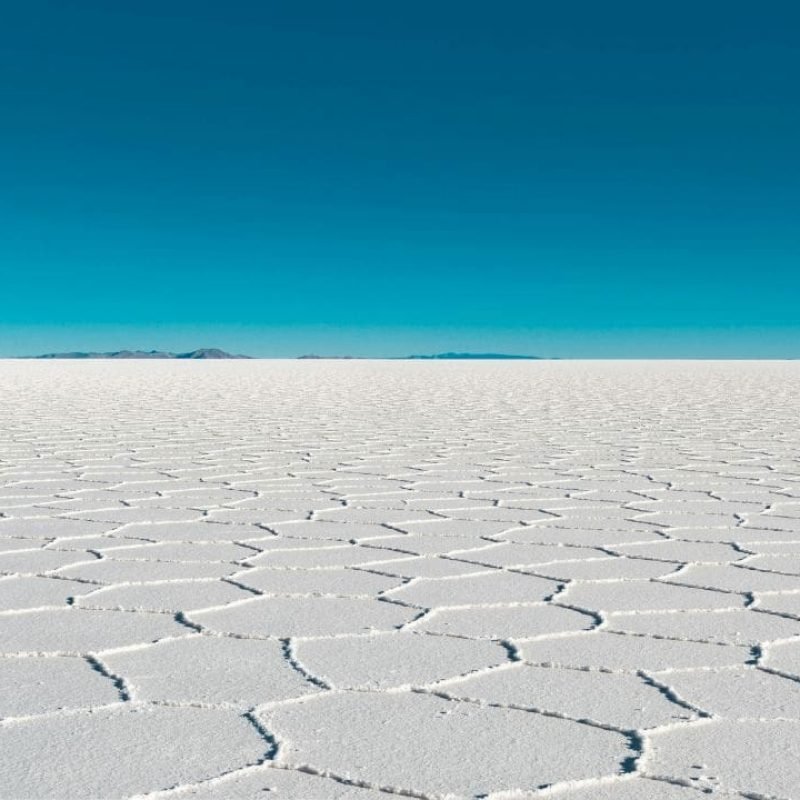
[344, 581]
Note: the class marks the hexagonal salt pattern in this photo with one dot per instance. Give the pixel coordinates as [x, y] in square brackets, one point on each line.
[333, 580]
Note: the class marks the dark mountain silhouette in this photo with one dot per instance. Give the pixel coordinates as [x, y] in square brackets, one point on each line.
[202, 353]
[208, 352]
[315, 357]
[215, 353]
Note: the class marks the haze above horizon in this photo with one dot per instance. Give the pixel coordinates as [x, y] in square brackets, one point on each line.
[573, 180]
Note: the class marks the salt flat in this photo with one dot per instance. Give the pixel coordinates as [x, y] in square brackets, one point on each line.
[353, 580]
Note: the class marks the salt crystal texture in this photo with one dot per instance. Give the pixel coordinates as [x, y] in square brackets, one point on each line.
[352, 580]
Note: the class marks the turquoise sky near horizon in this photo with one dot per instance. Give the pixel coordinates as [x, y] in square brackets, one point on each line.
[573, 179]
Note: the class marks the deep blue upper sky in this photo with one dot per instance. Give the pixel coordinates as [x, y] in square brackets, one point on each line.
[573, 178]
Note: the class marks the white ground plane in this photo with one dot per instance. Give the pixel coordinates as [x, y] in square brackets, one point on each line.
[358, 580]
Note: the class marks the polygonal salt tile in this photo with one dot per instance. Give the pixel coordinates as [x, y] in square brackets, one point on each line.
[687, 495]
[126, 514]
[454, 527]
[203, 669]
[180, 551]
[623, 787]
[578, 537]
[774, 523]
[254, 516]
[508, 516]
[302, 504]
[754, 757]
[786, 603]
[376, 487]
[673, 521]
[166, 596]
[35, 561]
[523, 621]
[477, 750]
[94, 499]
[740, 626]
[596, 515]
[344, 556]
[332, 531]
[683, 552]
[182, 531]
[787, 563]
[391, 660]
[604, 569]
[491, 588]
[512, 554]
[605, 650]
[608, 525]
[16, 497]
[204, 498]
[624, 701]
[374, 515]
[9, 545]
[111, 570]
[431, 545]
[269, 780]
[394, 501]
[283, 617]
[444, 504]
[148, 499]
[614, 496]
[645, 596]
[783, 656]
[338, 581]
[269, 542]
[730, 578]
[52, 527]
[73, 630]
[121, 475]
[425, 567]
[744, 536]
[106, 542]
[740, 692]
[784, 509]
[437, 488]
[34, 592]
[707, 506]
[31, 686]
[140, 743]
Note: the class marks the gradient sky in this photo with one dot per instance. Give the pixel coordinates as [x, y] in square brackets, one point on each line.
[600, 179]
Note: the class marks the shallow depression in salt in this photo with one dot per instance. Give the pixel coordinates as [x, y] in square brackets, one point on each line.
[353, 580]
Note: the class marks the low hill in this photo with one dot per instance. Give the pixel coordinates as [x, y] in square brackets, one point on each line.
[202, 353]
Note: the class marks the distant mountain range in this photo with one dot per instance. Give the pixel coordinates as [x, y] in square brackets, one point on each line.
[475, 356]
[315, 357]
[439, 357]
[215, 353]
[205, 352]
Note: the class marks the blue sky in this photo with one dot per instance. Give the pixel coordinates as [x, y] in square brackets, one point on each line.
[567, 179]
